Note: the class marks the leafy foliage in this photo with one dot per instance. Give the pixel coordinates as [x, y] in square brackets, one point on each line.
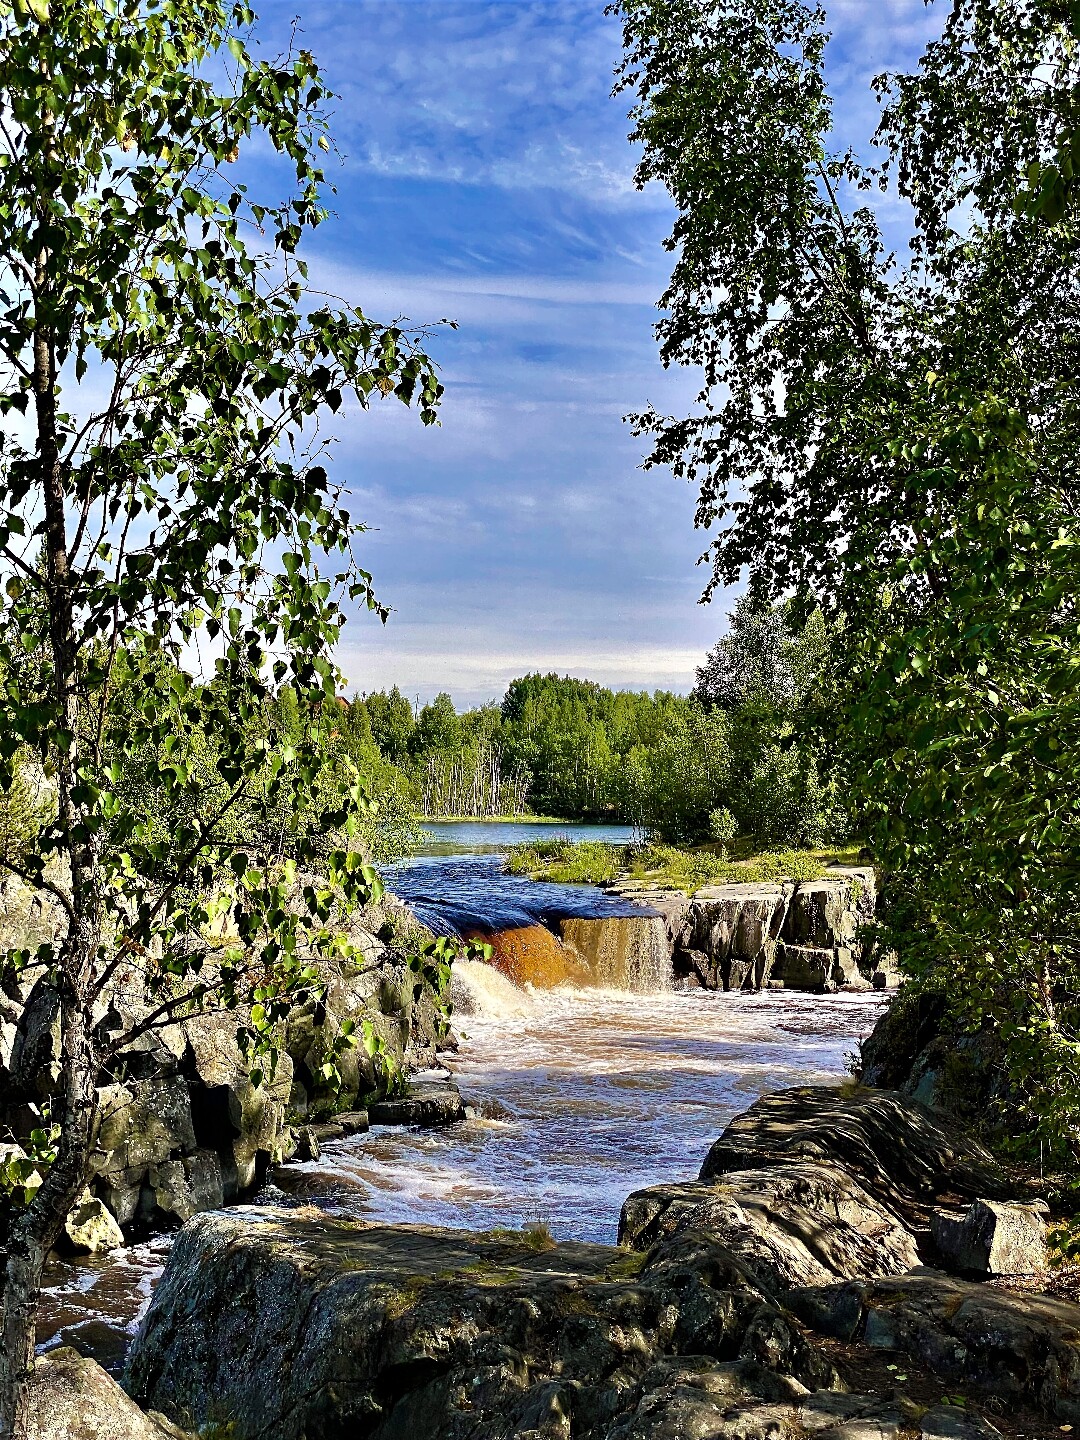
[172, 546]
[894, 442]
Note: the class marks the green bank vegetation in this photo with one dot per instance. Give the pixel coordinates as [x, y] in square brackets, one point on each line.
[890, 438]
[683, 868]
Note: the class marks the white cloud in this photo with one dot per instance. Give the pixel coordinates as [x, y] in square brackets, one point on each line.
[473, 677]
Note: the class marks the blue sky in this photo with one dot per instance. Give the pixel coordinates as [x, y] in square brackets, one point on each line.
[486, 177]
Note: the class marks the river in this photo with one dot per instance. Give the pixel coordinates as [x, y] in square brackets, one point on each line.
[577, 1097]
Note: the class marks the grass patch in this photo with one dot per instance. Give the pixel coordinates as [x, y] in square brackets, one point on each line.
[628, 1266]
[534, 1236]
[570, 862]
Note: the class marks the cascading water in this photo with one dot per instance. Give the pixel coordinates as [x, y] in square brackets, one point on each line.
[631, 952]
[541, 934]
[530, 955]
[578, 1094]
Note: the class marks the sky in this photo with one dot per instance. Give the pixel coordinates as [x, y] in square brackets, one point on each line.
[485, 176]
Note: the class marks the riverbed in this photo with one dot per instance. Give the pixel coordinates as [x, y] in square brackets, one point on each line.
[577, 1097]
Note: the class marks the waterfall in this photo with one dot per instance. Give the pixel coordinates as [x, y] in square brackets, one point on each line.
[532, 955]
[622, 952]
[480, 989]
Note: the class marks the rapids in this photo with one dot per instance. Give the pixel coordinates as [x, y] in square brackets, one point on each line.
[577, 1096]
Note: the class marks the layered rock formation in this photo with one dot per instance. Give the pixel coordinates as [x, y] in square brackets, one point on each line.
[796, 936]
[784, 935]
[759, 1302]
[182, 1128]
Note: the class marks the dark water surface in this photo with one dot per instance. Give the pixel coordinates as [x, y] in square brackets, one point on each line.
[458, 892]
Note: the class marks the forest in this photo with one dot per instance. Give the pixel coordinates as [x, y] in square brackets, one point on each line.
[739, 756]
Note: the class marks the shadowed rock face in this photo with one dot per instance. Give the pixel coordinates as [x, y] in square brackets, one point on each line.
[182, 1129]
[907, 1156]
[797, 1224]
[1023, 1347]
[293, 1327]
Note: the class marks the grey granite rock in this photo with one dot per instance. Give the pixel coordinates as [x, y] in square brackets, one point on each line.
[993, 1237]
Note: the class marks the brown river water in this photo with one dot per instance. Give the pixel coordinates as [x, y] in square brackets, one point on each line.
[576, 1097]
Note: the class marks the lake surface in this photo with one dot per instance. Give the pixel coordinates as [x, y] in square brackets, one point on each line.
[472, 837]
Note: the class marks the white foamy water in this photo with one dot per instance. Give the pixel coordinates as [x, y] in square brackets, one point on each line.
[578, 1097]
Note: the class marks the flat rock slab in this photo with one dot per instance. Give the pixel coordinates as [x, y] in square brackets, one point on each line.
[425, 1103]
[804, 1223]
[905, 1154]
[694, 1400]
[73, 1398]
[1010, 1345]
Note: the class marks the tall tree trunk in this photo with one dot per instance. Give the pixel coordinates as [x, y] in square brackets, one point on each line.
[33, 1232]
[36, 1230]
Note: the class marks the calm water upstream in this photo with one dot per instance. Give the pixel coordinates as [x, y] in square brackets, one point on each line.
[578, 1097]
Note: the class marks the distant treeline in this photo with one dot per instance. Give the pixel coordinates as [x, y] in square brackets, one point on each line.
[736, 757]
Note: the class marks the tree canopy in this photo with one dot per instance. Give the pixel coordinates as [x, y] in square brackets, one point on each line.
[173, 548]
[892, 437]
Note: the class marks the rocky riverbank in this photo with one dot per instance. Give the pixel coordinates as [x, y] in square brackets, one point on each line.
[808, 1283]
[778, 934]
[182, 1127]
[794, 935]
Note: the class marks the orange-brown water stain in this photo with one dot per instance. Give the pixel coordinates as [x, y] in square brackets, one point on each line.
[532, 955]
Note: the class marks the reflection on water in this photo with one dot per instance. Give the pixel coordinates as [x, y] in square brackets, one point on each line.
[578, 1098]
[459, 894]
[461, 837]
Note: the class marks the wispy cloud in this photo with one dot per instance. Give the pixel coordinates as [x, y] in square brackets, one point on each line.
[487, 178]
[481, 92]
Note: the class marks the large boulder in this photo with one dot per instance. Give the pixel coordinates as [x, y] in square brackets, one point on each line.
[993, 1238]
[798, 1224]
[73, 1398]
[1019, 1347]
[282, 1326]
[424, 1334]
[904, 1154]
